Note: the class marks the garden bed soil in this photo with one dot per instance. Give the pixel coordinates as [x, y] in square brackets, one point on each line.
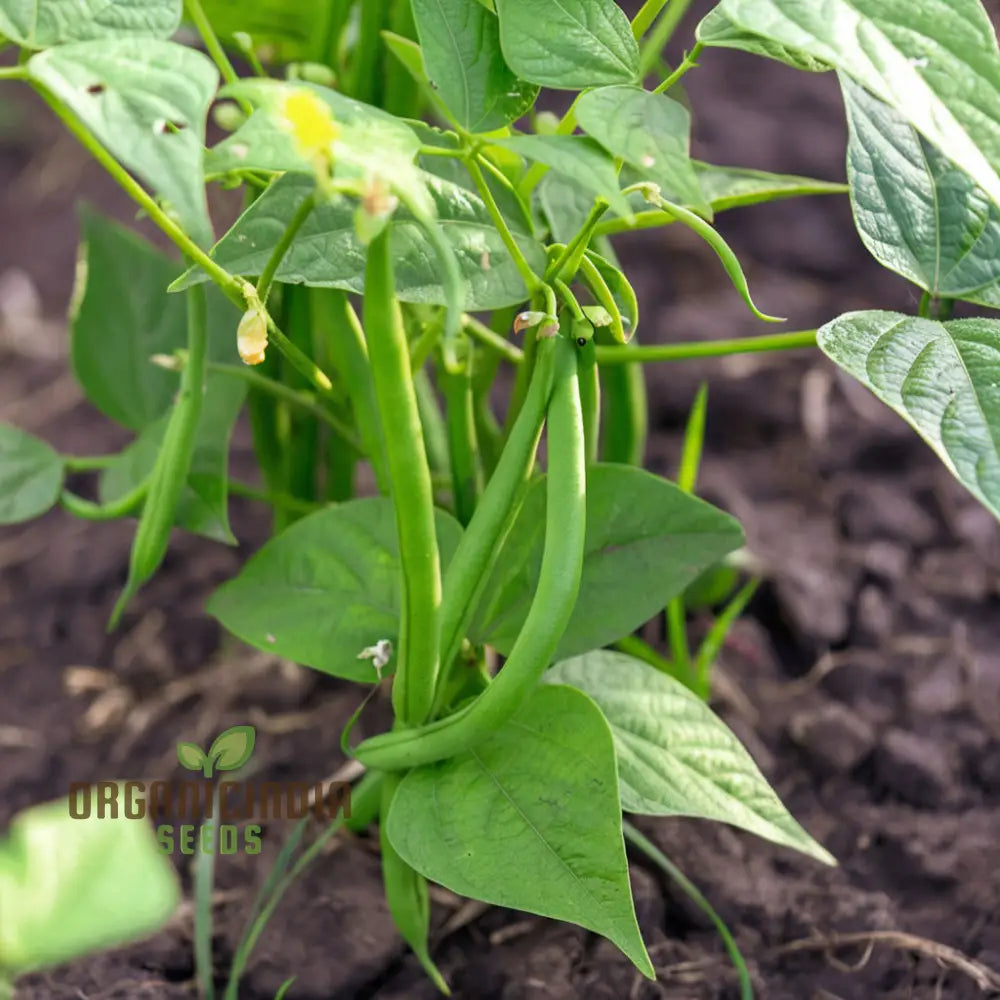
[865, 679]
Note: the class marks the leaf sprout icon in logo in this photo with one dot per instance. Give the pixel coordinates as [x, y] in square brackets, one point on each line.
[230, 750]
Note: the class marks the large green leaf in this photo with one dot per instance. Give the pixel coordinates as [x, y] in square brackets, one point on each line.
[326, 588]
[568, 44]
[146, 101]
[650, 132]
[943, 378]
[916, 212]
[577, 158]
[204, 505]
[327, 253]
[31, 476]
[718, 30]
[286, 29]
[529, 819]
[123, 316]
[675, 756]
[934, 61]
[37, 24]
[62, 882]
[461, 47]
[646, 541]
[734, 187]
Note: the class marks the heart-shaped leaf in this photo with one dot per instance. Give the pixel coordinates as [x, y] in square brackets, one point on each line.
[917, 213]
[942, 378]
[326, 589]
[529, 819]
[31, 476]
[646, 541]
[675, 756]
[37, 24]
[146, 101]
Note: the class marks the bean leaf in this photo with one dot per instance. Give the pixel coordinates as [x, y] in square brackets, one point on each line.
[735, 187]
[146, 101]
[529, 819]
[639, 554]
[942, 378]
[675, 756]
[461, 48]
[916, 212]
[934, 61]
[651, 132]
[325, 589]
[61, 883]
[327, 253]
[37, 24]
[31, 476]
[568, 44]
[577, 158]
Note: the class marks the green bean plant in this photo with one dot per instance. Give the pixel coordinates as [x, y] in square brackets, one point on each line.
[422, 286]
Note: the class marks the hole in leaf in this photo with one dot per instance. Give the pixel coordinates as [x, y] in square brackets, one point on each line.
[96, 88]
[165, 127]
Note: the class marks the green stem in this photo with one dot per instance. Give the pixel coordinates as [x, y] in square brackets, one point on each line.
[287, 238]
[688, 63]
[661, 34]
[648, 13]
[633, 836]
[705, 349]
[569, 258]
[288, 395]
[298, 359]
[278, 500]
[13, 73]
[491, 339]
[634, 646]
[212, 45]
[412, 491]
[531, 280]
[463, 447]
[232, 286]
[87, 463]
[111, 511]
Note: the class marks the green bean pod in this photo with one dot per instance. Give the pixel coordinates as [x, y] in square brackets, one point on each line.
[173, 461]
[483, 538]
[412, 493]
[553, 604]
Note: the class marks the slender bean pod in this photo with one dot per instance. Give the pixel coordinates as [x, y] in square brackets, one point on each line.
[173, 461]
[412, 491]
[482, 540]
[555, 596]
[462, 445]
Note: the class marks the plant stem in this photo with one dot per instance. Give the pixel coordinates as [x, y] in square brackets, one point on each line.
[287, 238]
[412, 491]
[531, 280]
[288, 395]
[633, 836]
[661, 34]
[87, 463]
[111, 511]
[13, 73]
[648, 13]
[689, 62]
[291, 504]
[491, 339]
[706, 349]
[232, 286]
[298, 359]
[568, 258]
[212, 45]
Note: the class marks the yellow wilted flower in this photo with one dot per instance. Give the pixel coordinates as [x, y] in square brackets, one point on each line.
[251, 337]
[310, 121]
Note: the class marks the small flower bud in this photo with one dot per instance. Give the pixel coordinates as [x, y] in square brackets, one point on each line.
[526, 320]
[376, 208]
[251, 337]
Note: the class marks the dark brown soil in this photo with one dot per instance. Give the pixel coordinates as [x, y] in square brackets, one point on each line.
[865, 680]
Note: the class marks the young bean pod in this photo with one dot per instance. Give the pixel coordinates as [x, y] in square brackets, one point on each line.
[170, 472]
[553, 604]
